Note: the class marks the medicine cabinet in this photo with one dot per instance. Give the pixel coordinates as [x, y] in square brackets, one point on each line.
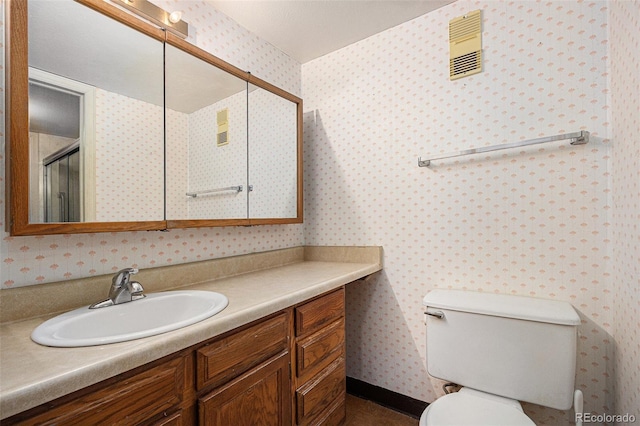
[116, 125]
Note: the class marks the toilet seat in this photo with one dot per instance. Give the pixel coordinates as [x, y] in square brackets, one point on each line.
[472, 407]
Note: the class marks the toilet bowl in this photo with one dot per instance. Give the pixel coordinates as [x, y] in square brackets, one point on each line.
[472, 407]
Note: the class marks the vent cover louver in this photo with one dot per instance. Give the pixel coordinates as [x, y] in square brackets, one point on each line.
[465, 45]
[222, 135]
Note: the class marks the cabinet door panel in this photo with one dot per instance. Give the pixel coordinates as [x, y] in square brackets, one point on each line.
[259, 397]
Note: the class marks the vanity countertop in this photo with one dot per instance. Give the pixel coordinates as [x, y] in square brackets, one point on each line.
[31, 374]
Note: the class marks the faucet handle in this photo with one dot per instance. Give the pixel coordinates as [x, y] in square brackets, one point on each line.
[137, 291]
[136, 287]
[122, 276]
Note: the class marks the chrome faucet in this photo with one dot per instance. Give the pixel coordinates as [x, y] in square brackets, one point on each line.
[122, 289]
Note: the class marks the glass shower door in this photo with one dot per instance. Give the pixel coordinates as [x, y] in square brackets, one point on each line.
[62, 188]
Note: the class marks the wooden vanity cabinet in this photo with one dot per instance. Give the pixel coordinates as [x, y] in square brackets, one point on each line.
[259, 376]
[287, 368]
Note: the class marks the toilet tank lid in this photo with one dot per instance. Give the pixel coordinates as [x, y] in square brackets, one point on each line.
[503, 305]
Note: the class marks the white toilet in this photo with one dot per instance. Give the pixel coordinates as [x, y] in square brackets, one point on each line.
[503, 349]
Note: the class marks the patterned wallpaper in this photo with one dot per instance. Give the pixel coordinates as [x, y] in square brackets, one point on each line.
[272, 130]
[624, 39]
[128, 187]
[532, 221]
[35, 260]
[212, 166]
[177, 135]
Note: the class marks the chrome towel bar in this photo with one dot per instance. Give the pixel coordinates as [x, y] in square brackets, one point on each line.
[238, 188]
[577, 138]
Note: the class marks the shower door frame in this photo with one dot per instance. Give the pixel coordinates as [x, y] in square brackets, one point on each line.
[65, 197]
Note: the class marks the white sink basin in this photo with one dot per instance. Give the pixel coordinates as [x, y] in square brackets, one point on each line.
[155, 314]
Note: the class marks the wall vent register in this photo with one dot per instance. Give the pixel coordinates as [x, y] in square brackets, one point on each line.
[222, 135]
[465, 45]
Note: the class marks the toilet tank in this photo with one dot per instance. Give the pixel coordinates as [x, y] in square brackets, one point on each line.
[518, 347]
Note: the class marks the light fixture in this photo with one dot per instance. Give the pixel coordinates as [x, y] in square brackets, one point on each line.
[169, 21]
[175, 17]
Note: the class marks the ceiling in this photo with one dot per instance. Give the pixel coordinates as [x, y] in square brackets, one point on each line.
[308, 29]
[72, 41]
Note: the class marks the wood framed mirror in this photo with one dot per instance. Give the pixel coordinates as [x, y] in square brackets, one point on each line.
[113, 179]
[112, 169]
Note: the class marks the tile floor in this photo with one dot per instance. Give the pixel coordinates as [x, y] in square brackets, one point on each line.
[361, 412]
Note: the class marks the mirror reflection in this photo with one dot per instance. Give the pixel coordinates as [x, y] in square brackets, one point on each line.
[54, 141]
[96, 117]
[206, 139]
[111, 147]
[273, 159]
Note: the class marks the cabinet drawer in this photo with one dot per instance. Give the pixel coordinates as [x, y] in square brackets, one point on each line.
[320, 348]
[314, 315]
[126, 402]
[335, 415]
[316, 395]
[176, 419]
[231, 356]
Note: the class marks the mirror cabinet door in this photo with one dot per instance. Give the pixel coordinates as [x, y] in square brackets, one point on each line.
[96, 142]
[119, 126]
[273, 155]
[206, 139]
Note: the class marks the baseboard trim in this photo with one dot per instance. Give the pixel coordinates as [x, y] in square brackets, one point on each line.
[385, 397]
